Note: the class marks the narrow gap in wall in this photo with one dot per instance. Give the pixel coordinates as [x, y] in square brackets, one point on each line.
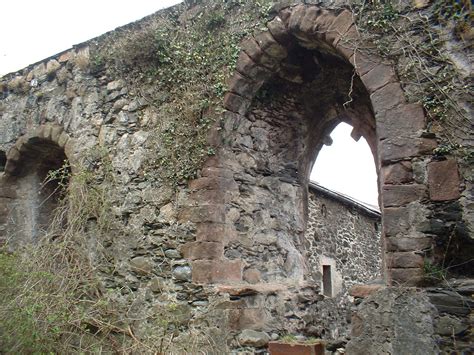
[3, 160]
[347, 167]
[327, 281]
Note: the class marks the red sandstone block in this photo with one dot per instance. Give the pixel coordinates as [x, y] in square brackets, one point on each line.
[398, 173]
[203, 250]
[251, 47]
[399, 244]
[280, 348]
[362, 62]
[363, 291]
[387, 97]
[378, 77]
[285, 14]
[309, 18]
[270, 46]
[339, 27]
[215, 232]
[406, 277]
[400, 195]
[394, 149]
[348, 43]
[297, 15]
[443, 180]
[322, 23]
[209, 271]
[213, 183]
[404, 260]
[207, 213]
[404, 120]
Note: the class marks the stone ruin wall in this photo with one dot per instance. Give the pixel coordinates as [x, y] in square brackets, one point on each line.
[239, 229]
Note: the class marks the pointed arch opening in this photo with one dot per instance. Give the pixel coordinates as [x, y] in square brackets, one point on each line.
[347, 166]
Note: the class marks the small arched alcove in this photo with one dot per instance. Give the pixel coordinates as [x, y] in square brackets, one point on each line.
[37, 169]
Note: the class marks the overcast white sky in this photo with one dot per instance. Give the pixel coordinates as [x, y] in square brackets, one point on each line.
[32, 30]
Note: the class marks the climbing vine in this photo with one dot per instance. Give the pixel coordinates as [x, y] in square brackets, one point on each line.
[180, 63]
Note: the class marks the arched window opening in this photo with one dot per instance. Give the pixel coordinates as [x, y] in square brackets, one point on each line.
[345, 244]
[347, 166]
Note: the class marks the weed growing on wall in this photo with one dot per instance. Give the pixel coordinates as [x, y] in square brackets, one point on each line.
[53, 300]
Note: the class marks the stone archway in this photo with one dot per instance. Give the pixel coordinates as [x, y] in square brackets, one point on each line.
[33, 194]
[232, 195]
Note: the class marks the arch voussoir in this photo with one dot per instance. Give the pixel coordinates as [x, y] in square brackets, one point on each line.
[279, 31]
[306, 26]
[252, 48]
[296, 17]
[341, 24]
[362, 62]
[378, 77]
[322, 23]
[270, 46]
[247, 67]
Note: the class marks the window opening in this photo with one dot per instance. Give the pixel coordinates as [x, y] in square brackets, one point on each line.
[327, 281]
[347, 166]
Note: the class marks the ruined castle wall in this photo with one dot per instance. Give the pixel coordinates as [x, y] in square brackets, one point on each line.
[243, 227]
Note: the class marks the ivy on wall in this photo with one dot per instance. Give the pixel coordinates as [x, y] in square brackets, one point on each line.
[179, 62]
[415, 39]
